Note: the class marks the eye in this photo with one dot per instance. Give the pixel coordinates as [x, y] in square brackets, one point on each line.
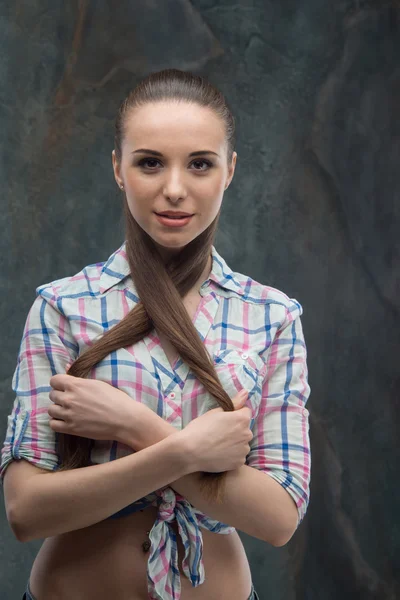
[143, 161]
[204, 162]
[151, 164]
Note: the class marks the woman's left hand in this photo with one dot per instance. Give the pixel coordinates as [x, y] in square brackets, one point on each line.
[94, 409]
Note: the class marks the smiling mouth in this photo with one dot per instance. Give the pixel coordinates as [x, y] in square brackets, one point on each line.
[170, 216]
[172, 221]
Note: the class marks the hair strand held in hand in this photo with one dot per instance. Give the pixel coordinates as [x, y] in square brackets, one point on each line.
[160, 286]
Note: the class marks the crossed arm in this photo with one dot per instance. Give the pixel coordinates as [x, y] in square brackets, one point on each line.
[252, 502]
[260, 497]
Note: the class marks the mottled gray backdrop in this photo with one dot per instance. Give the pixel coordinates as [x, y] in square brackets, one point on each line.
[313, 210]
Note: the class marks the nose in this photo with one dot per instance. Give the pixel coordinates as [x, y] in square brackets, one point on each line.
[174, 186]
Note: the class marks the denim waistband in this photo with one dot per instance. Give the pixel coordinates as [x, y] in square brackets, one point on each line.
[253, 594]
[29, 596]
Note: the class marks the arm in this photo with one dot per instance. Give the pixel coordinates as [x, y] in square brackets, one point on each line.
[41, 502]
[269, 508]
[55, 503]
[252, 503]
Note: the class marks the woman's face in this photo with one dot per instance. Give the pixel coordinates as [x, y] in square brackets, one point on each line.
[174, 158]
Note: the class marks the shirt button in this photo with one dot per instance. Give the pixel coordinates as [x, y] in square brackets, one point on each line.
[244, 356]
[171, 395]
[305, 412]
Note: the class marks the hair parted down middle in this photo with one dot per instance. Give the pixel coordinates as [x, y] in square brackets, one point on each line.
[160, 286]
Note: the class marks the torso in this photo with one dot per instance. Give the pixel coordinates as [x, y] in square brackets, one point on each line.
[106, 560]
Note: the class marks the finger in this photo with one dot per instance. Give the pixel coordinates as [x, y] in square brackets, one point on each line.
[60, 382]
[249, 411]
[240, 399]
[58, 425]
[244, 410]
[57, 397]
[56, 412]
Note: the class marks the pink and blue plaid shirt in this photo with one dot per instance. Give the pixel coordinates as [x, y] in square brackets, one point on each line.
[253, 333]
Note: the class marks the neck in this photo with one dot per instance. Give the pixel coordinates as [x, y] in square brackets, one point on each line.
[205, 274]
[167, 253]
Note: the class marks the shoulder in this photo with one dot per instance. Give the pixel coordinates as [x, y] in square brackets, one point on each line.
[91, 282]
[81, 284]
[259, 298]
[267, 298]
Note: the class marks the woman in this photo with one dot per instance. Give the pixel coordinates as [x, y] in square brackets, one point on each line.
[193, 376]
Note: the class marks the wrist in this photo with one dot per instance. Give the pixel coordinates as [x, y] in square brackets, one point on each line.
[176, 443]
[188, 450]
[158, 432]
[153, 430]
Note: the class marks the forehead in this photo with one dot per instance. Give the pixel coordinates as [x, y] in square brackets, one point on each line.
[187, 125]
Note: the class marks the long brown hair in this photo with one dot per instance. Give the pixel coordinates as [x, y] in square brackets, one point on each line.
[160, 286]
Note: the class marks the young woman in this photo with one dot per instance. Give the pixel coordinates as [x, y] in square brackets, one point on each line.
[160, 396]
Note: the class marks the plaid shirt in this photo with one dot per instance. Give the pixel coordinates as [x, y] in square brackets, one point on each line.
[253, 333]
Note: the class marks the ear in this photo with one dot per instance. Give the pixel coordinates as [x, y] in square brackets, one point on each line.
[117, 169]
[231, 170]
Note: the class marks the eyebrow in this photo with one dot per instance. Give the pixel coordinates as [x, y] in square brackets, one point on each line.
[155, 153]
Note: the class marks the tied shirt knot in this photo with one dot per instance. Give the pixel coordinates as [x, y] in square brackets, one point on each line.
[163, 573]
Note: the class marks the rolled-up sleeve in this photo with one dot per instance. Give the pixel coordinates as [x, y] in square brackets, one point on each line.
[46, 347]
[280, 446]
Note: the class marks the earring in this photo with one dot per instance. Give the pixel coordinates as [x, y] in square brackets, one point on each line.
[122, 186]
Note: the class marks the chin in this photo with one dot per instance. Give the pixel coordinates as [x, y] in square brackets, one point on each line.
[172, 240]
[173, 244]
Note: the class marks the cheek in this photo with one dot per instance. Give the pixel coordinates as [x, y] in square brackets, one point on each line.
[215, 184]
[139, 193]
[139, 186]
[210, 194]
[210, 210]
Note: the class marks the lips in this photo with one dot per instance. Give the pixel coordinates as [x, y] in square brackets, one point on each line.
[174, 214]
[170, 219]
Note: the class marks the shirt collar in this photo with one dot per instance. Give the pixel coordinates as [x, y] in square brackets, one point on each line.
[116, 268]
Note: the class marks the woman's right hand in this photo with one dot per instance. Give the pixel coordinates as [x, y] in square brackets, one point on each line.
[219, 440]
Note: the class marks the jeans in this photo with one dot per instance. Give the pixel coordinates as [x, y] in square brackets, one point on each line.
[28, 594]
[253, 594]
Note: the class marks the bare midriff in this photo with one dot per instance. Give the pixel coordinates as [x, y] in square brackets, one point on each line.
[106, 560]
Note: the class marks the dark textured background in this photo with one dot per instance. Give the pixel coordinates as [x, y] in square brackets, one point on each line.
[313, 210]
